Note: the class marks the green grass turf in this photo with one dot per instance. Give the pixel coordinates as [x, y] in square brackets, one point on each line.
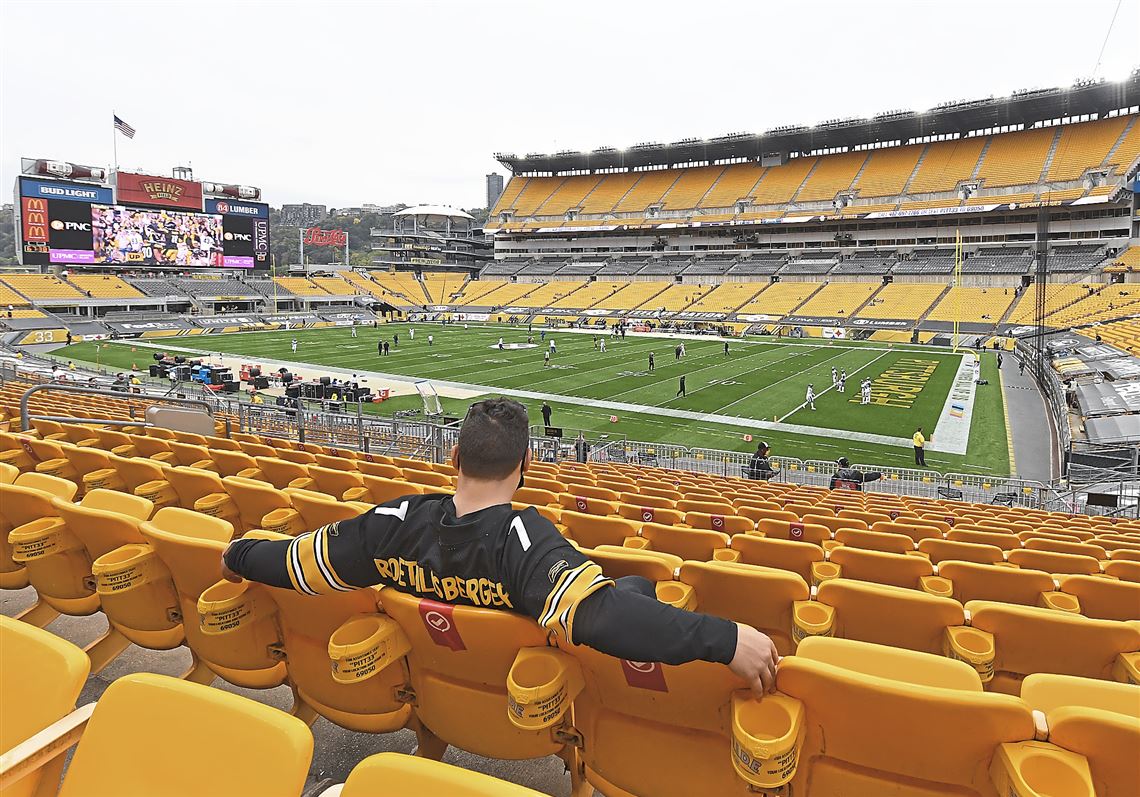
[762, 378]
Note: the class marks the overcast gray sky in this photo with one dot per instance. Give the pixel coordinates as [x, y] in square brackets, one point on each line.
[344, 103]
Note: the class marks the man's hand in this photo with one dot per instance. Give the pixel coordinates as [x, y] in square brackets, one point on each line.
[755, 660]
[230, 575]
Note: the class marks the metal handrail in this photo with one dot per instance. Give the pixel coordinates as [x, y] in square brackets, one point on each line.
[25, 419]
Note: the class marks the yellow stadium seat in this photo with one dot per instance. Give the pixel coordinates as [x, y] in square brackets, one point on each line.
[135, 743]
[617, 561]
[1007, 542]
[190, 545]
[192, 484]
[700, 545]
[1103, 598]
[728, 524]
[318, 509]
[914, 529]
[899, 570]
[459, 661]
[1052, 562]
[254, 500]
[41, 676]
[1059, 546]
[379, 489]
[393, 773]
[796, 531]
[360, 698]
[875, 540]
[797, 557]
[1098, 720]
[884, 615]
[334, 482]
[940, 550]
[659, 729]
[935, 731]
[1029, 640]
[25, 500]
[1124, 569]
[590, 531]
[591, 506]
[973, 581]
[281, 472]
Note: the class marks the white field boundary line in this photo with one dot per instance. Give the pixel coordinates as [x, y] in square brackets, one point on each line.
[611, 406]
[952, 432]
[833, 386]
[754, 341]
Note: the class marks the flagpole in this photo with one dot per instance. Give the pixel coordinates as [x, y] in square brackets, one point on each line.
[114, 142]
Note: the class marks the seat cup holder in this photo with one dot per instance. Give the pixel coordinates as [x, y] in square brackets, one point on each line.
[973, 646]
[364, 645]
[767, 736]
[135, 589]
[812, 618]
[541, 685]
[1036, 769]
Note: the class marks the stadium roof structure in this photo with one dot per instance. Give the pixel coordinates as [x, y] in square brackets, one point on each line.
[1023, 108]
[435, 210]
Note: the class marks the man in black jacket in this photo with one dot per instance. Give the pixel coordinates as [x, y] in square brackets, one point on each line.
[847, 478]
[474, 549]
[759, 467]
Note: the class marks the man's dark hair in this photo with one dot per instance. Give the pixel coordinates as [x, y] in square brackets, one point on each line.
[493, 439]
[843, 462]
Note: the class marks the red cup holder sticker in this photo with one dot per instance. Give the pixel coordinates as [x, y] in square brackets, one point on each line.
[644, 675]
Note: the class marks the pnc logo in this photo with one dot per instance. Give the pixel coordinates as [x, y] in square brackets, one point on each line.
[237, 236]
[70, 225]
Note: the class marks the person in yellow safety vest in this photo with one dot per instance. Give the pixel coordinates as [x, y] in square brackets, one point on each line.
[255, 398]
[919, 448]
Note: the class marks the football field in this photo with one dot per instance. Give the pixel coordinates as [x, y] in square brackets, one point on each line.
[758, 388]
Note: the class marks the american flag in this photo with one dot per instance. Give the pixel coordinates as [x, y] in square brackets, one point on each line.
[124, 128]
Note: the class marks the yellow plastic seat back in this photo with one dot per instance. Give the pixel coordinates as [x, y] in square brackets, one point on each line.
[893, 616]
[699, 545]
[228, 626]
[898, 570]
[942, 550]
[394, 773]
[935, 731]
[875, 540]
[459, 661]
[41, 676]
[137, 740]
[381, 489]
[650, 728]
[319, 509]
[280, 472]
[380, 469]
[1096, 719]
[231, 463]
[193, 484]
[757, 596]
[334, 482]
[974, 581]
[137, 471]
[1031, 640]
[797, 557]
[590, 531]
[254, 499]
[1052, 562]
[366, 702]
[20, 504]
[727, 524]
[1104, 598]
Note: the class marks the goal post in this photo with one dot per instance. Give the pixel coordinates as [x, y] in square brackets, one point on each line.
[430, 398]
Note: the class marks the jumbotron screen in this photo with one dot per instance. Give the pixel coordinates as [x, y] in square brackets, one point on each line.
[129, 236]
[78, 224]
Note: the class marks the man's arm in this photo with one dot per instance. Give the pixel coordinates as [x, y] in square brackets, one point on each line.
[565, 591]
[333, 558]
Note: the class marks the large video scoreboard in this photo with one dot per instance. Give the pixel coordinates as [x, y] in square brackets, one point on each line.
[143, 221]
